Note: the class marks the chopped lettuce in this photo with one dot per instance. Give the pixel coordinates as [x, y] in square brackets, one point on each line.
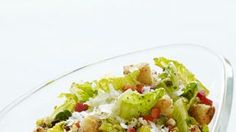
[191, 121]
[205, 128]
[190, 92]
[132, 104]
[59, 127]
[180, 114]
[88, 90]
[62, 116]
[119, 82]
[144, 128]
[83, 91]
[69, 104]
[169, 80]
[44, 122]
[110, 124]
[177, 72]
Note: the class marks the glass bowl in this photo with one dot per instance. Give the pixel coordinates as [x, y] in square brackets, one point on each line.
[213, 70]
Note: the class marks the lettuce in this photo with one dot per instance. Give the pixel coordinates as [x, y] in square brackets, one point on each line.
[169, 80]
[69, 104]
[180, 114]
[83, 91]
[119, 82]
[177, 68]
[177, 73]
[205, 128]
[132, 104]
[144, 129]
[62, 116]
[190, 92]
[88, 90]
[111, 124]
[59, 127]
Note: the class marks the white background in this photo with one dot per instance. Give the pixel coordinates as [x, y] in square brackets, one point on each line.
[40, 40]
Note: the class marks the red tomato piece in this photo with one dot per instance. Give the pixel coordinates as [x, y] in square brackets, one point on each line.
[155, 113]
[131, 129]
[206, 101]
[201, 94]
[148, 118]
[203, 99]
[81, 107]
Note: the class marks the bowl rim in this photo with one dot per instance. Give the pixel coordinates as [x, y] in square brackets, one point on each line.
[226, 103]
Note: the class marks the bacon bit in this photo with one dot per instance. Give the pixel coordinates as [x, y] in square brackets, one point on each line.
[131, 129]
[203, 99]
[139, 88]
[148, 118]
[81, 107]
[155, 113]
[77, 124]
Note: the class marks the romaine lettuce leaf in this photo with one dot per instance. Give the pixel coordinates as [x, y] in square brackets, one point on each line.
[180, 114]
[88, 90]
[110, 125]
[205, 128]
[132, 104]
[59, 127]
[144, 129]
[83, 91]
[190, 92]
[119, 82]
[177, 73]
[69, 104]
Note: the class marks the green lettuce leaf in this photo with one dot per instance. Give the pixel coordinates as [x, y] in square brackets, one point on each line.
[119, 82]
[132, 104]
[190, 92]
[83, 91]
[62, 116]
[59, 127]
[144, 129]
[69, 104]
[88, 90]
[177, 73]
[180, 114]
[111, 125]
[205, 128]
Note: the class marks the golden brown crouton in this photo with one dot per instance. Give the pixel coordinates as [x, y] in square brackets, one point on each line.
[145, 75]
[90, 124]
[194, 128]
[202, 113]
[165, 104]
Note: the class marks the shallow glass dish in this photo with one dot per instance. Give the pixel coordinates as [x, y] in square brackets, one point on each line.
[213, 70]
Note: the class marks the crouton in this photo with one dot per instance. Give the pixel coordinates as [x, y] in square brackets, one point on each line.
[202, 113]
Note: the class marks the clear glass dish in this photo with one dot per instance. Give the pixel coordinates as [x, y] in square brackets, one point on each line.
[212, 69]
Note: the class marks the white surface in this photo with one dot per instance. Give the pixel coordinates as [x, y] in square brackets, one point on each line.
[40, 40]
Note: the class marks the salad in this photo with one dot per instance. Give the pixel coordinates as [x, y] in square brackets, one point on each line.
[142, 100]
